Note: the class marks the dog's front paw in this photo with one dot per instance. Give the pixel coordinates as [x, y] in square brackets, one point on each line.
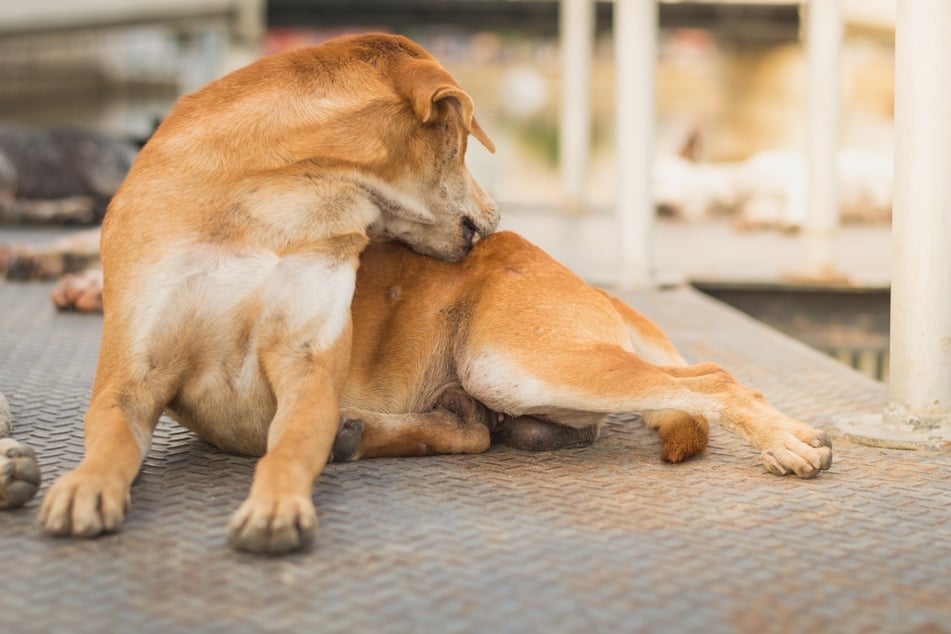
[84, 505]
[79, 291]
[802, 450]
[273, 525]
[19, 474]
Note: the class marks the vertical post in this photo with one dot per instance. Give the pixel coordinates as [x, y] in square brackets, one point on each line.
[247, 33]
[202, 52]
[823, 46]
[918, 413]
[635, 52]
[577, 42]
[249, 21]
[920, 382]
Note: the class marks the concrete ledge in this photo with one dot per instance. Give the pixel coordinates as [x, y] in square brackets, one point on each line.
[876, 430]
[711, 250]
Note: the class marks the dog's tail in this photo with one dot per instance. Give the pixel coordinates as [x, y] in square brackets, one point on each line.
[682, 435]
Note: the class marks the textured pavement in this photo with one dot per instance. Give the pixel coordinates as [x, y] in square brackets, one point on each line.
[601, 539]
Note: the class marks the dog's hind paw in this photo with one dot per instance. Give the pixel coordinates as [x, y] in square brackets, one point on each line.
[804, 452]
[528, 433]
[347, 443]
[273, 525]
[19, 474]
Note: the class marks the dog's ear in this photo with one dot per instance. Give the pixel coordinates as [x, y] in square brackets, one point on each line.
[428, 85]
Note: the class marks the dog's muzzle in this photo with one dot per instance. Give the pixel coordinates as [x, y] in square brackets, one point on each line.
[469, 232]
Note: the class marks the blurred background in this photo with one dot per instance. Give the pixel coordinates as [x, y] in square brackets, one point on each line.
[731, 73]
[727, 180]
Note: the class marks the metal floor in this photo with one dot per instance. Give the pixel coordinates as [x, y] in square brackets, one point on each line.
[602, 539]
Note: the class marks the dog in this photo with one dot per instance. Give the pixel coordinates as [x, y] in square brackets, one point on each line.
[510, 346]
[60, 175]
[229, 256]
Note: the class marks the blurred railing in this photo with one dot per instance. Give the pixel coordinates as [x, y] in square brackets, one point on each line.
[920, 342]
[51, 45]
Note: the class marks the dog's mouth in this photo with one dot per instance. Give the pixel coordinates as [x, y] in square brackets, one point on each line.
[470, 233]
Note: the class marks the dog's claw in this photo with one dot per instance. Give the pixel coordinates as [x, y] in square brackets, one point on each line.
[821, 440]
[805, 457]
[84, 505]
[273, 527]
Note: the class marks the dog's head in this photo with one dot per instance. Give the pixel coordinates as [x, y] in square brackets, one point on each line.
[402, 120]
[452, 210]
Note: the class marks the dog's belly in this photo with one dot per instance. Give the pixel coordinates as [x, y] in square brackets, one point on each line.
[209, 315]
[231, 410]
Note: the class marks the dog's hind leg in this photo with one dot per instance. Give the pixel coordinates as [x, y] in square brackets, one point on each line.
[605, 378]
[444, 430]
[529, 433]
[456, 424]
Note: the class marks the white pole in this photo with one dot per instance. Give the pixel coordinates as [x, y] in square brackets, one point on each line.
[919, 386]
[823, 46]
[577, 42]
[635, 52]
[919, 389]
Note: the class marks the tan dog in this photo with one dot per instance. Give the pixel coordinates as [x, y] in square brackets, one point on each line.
[229, 255]
[511, 329]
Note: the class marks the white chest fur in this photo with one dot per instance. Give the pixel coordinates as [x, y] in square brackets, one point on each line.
[202, 315]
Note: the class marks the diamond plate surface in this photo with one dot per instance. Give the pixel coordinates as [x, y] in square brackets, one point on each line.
[605, 538]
